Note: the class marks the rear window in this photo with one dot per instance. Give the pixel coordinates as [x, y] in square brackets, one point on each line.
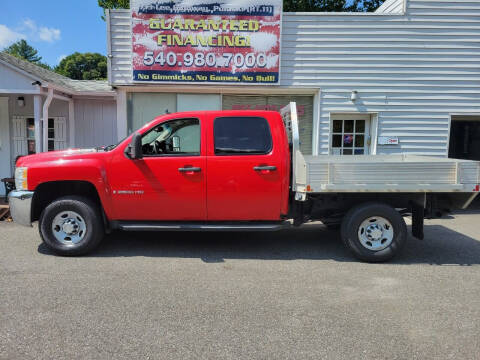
[241, 135]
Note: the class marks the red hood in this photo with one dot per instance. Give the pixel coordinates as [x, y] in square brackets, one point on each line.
[55, 155]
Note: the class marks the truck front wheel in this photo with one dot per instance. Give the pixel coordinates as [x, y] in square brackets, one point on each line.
[71, 226]
[374, 232]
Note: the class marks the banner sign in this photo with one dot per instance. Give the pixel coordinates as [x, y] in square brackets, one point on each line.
[206, 41]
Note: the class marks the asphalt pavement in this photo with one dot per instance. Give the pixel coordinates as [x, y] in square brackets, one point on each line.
[294, 294]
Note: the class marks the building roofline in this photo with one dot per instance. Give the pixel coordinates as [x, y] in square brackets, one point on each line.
[48, 78]
[19, 70]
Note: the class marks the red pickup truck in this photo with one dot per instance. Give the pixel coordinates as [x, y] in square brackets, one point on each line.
[218, 170]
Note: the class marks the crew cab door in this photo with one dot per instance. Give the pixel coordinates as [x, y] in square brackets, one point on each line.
[169, 182]
[246, 168]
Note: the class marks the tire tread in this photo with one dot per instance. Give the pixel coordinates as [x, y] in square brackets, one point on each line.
[92, 214]
[357, 214]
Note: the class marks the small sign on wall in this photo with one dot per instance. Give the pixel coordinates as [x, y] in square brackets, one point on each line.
[388, 140]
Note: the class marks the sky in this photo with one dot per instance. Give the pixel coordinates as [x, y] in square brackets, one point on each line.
[56, 28]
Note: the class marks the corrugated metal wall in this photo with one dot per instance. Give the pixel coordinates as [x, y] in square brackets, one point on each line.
[120, 46]
[95, 123]
[414, 70]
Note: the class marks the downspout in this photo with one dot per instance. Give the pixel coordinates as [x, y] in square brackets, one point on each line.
[71, 123]
[46, 105]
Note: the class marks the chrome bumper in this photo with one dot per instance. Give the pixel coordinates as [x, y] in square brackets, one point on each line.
[21, 206]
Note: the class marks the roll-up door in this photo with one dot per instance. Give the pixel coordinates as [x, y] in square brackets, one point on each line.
[198, 102]
[275, 103]
[144, 107]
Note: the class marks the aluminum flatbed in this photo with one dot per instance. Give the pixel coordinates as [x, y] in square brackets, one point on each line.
[377, 173]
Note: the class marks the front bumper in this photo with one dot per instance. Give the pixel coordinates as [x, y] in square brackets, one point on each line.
[21, 206]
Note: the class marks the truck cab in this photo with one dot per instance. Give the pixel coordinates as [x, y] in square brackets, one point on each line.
[205, 166]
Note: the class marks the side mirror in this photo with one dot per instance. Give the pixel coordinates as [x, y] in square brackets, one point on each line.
[134, 149]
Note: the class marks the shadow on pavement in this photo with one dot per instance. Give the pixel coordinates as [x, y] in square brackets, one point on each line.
[442, 246]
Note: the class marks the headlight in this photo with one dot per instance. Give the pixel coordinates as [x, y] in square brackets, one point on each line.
[21, 178]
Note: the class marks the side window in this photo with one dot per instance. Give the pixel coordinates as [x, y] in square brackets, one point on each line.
[177, 137]
[242, 135]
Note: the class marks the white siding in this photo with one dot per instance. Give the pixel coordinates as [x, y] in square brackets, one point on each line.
[60, 131]
[95, 123]
[391, 7]
[414, 70]
[121, 47]
[14, 81]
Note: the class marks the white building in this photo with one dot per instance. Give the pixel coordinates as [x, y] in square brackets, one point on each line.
[415, 66]
[79, 113]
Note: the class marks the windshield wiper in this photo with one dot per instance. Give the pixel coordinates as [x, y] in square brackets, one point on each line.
[110, 147]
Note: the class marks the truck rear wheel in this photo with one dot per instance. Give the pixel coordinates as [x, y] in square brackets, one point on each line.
[71, 226]
[374, 232]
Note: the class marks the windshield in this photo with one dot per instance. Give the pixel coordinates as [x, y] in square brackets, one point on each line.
[160, 133]
[181, 136]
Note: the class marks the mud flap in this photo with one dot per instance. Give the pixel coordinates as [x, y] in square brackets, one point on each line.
[418, 214]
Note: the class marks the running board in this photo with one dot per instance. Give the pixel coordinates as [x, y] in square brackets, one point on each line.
[163, 226]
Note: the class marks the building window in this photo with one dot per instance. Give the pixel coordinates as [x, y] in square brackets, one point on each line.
[30, 136]
[51, 135]
[350, 135]
[24, 130]
[30, 122]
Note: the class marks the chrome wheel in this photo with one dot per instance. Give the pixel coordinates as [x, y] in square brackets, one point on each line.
[375, 233]
[69, 227]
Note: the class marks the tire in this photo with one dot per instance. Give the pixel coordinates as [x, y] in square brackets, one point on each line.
[71, 226]
[374, 232]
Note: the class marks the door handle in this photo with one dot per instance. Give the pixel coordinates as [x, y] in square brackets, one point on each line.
[190, 169]
[264, 168]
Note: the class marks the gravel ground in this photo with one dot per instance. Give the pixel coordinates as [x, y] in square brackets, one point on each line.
[295, 294]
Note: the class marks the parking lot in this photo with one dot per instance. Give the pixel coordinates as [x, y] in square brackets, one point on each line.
[293, 294]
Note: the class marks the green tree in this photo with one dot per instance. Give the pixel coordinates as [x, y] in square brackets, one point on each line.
[367, 5]
[86, 66]
[314, 5]
[113, 4]
[331, 5]
[288, 5]
[23, 50]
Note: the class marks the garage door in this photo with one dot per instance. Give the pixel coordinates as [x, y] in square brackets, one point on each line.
[275, 103]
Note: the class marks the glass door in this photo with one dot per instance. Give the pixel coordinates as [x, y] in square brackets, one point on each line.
[30, 124]
[350, 134]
